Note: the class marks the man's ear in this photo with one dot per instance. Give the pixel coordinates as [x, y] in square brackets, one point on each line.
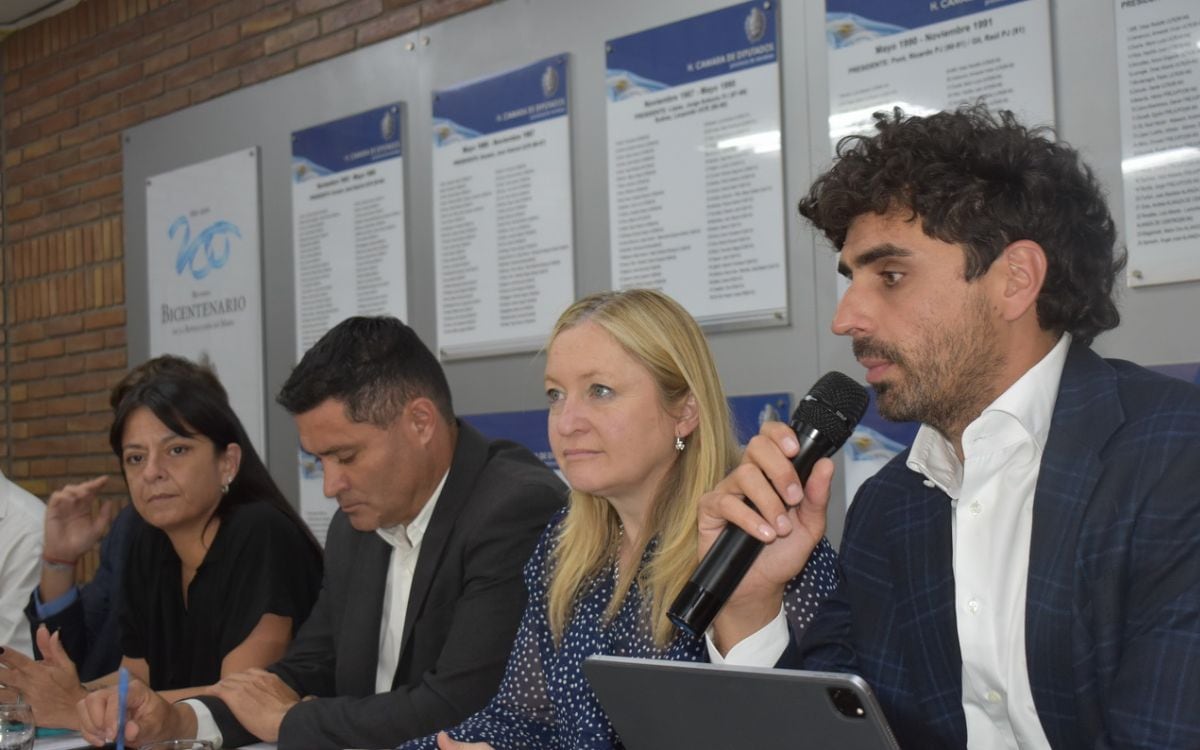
[422, 417]
[1022, 269]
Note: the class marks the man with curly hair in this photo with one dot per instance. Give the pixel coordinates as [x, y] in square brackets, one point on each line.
[1027, 574]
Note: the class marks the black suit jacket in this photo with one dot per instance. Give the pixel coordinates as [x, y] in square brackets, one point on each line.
[466, 601]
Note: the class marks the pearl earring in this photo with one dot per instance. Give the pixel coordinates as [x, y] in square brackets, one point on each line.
[679, 444]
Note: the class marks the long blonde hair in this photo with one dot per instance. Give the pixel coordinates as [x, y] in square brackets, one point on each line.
[657, 332]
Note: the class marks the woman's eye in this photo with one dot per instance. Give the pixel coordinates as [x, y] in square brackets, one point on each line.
[601, 391]
[177, 450]
[133, 459]
[553, 395]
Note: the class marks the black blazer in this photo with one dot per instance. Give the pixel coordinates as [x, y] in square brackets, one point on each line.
[466, 602]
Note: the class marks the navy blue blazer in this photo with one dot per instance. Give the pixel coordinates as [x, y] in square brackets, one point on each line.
[89, 628]
[1112, 618]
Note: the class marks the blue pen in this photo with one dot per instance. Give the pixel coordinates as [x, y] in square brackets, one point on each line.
[122, 697]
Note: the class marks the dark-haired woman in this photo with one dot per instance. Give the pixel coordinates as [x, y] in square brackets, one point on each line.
[222, 572]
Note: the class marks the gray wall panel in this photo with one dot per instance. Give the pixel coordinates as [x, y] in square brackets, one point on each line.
[513, 33]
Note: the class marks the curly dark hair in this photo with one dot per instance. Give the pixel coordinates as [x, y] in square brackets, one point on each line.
[983, 181]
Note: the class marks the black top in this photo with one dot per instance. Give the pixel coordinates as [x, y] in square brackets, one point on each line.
[260, 562]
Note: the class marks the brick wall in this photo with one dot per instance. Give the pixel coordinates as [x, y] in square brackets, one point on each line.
[71, 84]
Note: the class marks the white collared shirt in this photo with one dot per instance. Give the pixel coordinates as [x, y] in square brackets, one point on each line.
[21, 524]
[992, 492]
[405, 542]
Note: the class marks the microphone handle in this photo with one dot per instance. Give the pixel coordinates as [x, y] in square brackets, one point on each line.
[734, 551]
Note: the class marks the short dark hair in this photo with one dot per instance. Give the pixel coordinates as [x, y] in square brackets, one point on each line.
[983, 181]
[166, 364]
[374, 366]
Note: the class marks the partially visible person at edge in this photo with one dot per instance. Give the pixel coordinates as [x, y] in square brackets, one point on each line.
[85, 618]
[1028, 573]
[21, 520]
[640, 427]
[219, 576]
[422, 591]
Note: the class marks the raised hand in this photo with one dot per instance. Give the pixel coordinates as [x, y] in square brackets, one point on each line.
[70, 528]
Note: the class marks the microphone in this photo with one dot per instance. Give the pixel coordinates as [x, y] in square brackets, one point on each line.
[822, 421]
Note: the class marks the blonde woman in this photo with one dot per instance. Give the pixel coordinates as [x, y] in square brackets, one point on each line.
[640, 427]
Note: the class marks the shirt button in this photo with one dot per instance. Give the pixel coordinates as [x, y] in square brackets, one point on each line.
[973, 606]
[993, 697]
[976, 508]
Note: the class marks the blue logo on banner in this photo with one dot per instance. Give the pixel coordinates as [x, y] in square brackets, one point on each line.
[201, 248]
[387, 125]
[549, 81]
[755, 25]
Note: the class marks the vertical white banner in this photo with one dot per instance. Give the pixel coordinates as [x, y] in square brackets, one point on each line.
[695, 169]
[204, 263]
[1158, 69]
[348, 234]
[503, 229]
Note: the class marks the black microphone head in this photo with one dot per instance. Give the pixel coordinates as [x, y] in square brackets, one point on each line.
[833, 406]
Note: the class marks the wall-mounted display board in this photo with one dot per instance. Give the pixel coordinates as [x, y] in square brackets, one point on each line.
[1158, 57]
[507, 35]
[502, 210]
[203, 266]
[695, 176]
[926, 56]
[348, 246]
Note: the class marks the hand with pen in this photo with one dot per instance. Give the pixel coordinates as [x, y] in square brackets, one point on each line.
[149, 717]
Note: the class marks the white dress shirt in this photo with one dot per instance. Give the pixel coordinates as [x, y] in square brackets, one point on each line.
[405, 542]
[992, 493]
[406, 546]
[21, 522]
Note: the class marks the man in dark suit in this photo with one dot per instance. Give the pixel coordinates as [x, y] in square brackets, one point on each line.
[422, 592]
[1028, 573]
